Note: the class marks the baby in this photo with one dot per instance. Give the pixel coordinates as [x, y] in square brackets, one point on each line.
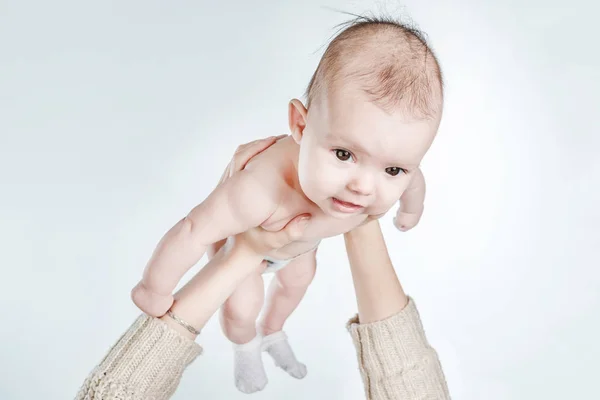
[373, 109]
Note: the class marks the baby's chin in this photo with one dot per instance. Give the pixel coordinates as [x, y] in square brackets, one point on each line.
[341, 217]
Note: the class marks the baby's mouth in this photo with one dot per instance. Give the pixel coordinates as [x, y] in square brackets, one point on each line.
[345, 206]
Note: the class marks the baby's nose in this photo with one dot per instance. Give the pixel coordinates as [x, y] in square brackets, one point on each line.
[362, 186]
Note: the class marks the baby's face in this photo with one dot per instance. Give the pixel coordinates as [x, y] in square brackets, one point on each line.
[356, 158]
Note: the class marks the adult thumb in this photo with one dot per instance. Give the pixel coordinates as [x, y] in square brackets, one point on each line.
[295, 228]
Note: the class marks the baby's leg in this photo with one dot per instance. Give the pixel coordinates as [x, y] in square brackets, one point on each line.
[240, 311]
[238, 321]
[285, 292]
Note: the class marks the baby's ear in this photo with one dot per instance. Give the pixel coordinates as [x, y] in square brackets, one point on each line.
[297, 119]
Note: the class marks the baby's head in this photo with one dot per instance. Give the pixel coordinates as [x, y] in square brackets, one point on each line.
[373, 108]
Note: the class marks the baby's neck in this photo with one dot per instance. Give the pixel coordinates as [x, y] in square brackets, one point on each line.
[291, 172]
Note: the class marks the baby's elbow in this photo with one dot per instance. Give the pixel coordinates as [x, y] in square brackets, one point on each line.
[185, 226]
[185, 233]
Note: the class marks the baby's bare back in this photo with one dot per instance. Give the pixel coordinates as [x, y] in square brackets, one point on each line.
[278, 165]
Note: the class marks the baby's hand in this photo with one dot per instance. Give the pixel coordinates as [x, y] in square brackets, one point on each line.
[411, 203]
[405, 221]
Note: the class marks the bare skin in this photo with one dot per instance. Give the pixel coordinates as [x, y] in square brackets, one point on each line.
[198, 300]
[329, 161]
[240, 311]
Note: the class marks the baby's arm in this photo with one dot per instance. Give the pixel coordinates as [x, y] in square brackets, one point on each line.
[242, 202]
[412, 203]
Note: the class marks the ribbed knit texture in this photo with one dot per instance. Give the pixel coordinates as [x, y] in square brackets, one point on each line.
[395, 360]
[146, 363]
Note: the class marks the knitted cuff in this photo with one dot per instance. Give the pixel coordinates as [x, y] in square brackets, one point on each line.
[146, 363]
[393, 352]
[401, 334]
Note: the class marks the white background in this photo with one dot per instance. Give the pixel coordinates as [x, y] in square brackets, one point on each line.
[117, 118]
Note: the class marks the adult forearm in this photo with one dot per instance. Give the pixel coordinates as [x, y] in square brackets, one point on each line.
[134, 366]
[378, 291]
[395, 359]
[202, 296]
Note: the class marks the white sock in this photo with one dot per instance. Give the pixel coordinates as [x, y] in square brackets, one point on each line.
[278, 347]
[249, 371]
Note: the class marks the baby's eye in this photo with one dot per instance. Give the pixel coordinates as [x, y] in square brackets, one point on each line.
[393, 171]
[342, 155]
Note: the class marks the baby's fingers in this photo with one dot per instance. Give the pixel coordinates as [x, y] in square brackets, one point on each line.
[405, 221]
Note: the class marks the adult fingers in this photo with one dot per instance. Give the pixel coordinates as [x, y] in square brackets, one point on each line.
[291, 232]
[245, 152]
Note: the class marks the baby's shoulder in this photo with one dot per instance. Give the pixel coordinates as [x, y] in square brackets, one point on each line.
[274, 164]
[269, 172]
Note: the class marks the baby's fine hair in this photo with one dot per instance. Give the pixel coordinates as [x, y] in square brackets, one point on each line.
[390, 60]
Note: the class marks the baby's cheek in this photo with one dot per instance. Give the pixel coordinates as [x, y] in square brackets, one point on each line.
[390, 200]
[323, 175]
[312, 183]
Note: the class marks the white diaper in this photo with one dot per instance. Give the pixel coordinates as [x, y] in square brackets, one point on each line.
[274, 264]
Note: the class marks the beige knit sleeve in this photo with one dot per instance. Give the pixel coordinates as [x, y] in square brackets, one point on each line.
[395, 360]
[146, 363]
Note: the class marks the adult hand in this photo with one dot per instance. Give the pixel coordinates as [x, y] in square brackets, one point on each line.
[245, 152]
[198, 300]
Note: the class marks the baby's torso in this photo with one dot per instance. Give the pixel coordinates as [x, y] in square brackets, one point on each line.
[293, 202]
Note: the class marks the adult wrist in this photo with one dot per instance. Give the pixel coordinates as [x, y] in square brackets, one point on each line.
[241, 251]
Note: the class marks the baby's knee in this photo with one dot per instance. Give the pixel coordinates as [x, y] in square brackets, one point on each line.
[236, 312]
[297, 282]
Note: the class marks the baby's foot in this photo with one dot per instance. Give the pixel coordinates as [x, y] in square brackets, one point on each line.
[249, 371]
[153, 304]
[278, 347]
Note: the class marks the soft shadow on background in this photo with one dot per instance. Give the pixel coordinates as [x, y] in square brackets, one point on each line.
[117, 118]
